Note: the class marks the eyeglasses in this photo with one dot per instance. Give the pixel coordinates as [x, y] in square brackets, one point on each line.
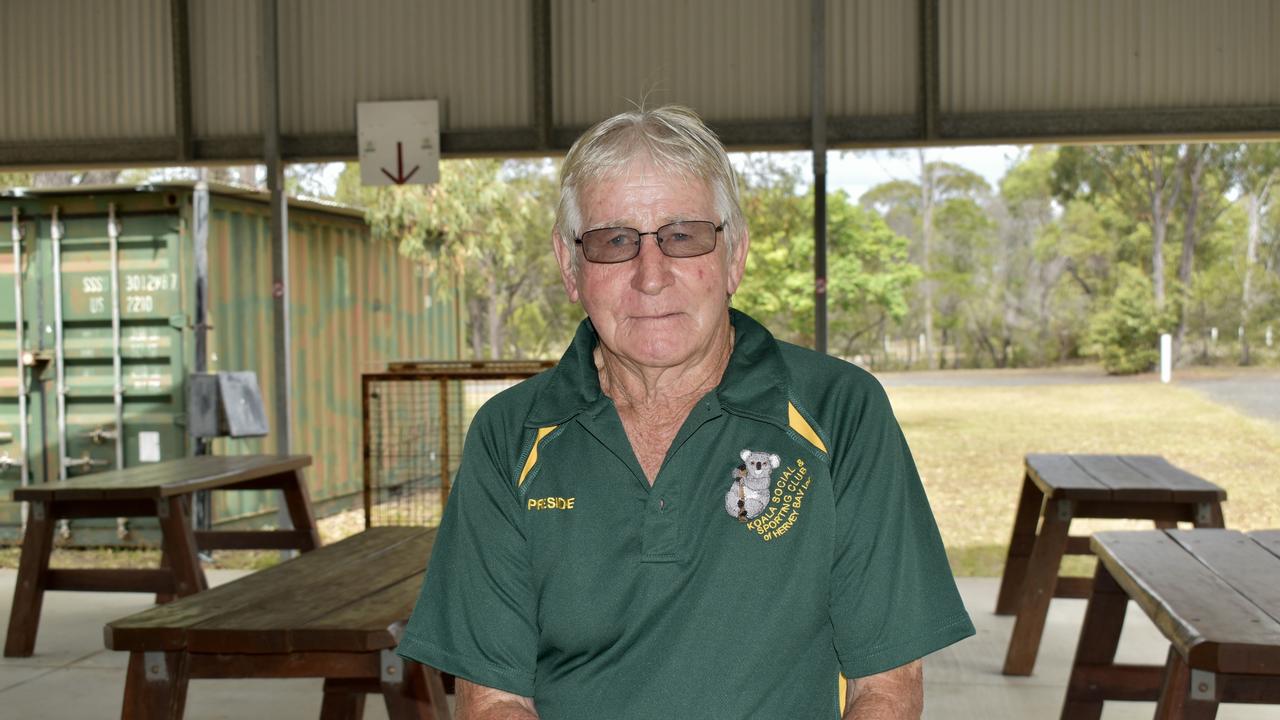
[686, 239]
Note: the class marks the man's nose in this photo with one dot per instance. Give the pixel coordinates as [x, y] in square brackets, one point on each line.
[653, 269]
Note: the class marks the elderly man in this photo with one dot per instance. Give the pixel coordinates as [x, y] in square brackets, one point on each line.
[686, 518]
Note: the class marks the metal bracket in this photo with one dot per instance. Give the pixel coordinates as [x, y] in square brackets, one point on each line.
[162, 508]
[154, 665]
[1203, 685]
[391, 669]
[1065, 510]
[1204, 513]
[37, 511]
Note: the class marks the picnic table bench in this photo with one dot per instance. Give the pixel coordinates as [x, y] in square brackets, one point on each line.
[1057, 489]
[1215, 594]
[162, 490]
[335, 613]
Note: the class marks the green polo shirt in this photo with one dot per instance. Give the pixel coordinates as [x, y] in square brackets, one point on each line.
[559, 573]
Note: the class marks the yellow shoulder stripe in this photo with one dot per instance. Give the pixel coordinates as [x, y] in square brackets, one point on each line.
[533, 454]
[802, 427]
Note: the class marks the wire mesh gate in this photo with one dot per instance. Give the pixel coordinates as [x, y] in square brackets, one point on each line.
[415, 416]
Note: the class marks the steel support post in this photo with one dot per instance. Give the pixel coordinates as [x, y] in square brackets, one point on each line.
[818, 119]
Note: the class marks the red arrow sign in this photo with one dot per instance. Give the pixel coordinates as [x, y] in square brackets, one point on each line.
[399, 178]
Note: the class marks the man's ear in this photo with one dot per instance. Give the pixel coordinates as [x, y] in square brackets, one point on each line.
[738, 262]
[564, 257]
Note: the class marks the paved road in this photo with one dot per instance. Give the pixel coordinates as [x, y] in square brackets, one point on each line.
[1005, 378]
[1252, 391]
[1253, 394]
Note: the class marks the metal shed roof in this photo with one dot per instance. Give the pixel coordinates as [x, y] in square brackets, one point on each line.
[164, 81]
[230, 190]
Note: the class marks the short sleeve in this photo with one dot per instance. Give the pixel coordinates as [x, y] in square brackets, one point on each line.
[475, 616]
[893, 596]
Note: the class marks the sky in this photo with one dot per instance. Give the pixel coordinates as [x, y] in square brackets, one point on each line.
[856, 171]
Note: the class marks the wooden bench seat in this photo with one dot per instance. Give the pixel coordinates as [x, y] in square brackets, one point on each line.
[1215, 594]
[1057, 489]
[161, 490]
[335, 613]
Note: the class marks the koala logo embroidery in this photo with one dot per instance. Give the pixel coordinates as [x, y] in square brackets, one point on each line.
[749, 493]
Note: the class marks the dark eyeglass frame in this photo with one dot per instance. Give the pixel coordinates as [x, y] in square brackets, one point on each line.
[657, 238]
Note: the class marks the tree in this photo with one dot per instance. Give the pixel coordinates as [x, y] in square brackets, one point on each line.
[486, 225]
[1125, 334]
[1143, 180]
[868, 273]
[910, 208]
[8, 181]
[1260, 173]
[1041, 321]
[1210, 171]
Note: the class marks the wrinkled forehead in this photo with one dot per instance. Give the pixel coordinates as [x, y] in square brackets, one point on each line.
[640, 184]
[640, 167]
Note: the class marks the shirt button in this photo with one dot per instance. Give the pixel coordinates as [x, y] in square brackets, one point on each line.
[662, 503]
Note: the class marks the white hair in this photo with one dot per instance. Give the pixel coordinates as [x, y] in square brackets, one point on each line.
[671, 137]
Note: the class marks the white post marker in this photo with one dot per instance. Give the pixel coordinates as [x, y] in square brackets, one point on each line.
[399, 142]
[1166, 358]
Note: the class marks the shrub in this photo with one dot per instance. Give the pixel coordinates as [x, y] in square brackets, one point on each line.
[1125, 335]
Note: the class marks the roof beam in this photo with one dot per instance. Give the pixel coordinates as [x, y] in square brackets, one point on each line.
[1149, 125]
[180, 45]
[540, 29]
[271, 153]
[930, 84]
[818, 141]
[1105, 125]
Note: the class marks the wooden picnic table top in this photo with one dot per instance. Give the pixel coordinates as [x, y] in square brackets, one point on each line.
[1141, 478]
[1214, 593]
[350, 596]
[153, 481]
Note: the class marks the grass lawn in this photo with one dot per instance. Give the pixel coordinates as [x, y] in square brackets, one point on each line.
[969, 443]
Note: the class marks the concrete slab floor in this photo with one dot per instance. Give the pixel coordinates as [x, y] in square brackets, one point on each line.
[72, 675]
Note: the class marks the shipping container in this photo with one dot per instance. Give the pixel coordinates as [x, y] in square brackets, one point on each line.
[97, 336]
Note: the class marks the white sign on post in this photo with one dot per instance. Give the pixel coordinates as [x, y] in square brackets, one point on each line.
[399, 142]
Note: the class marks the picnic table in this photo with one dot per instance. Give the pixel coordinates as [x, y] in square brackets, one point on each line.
[1215, 594]
[162, 490]
[335, 613]
[1057, 489]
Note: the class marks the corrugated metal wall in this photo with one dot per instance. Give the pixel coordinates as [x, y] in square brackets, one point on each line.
[873, 62]
[354, 305]
[730, 59]
[1039, 55]
[85, 69]
[226, 47]
[473, 55]
[68, 73]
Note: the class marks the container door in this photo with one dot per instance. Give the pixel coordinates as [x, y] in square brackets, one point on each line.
[145, 287]
[14, 374]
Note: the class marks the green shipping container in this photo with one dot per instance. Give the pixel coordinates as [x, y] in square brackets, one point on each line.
[355, 304]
